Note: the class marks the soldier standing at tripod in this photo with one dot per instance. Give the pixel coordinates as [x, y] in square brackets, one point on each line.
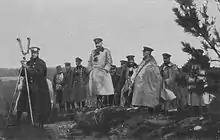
[39, 91]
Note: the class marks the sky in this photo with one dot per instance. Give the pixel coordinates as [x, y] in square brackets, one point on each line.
[65, 29]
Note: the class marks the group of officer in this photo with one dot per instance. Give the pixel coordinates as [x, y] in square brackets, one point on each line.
[73, 85]
[70, 86]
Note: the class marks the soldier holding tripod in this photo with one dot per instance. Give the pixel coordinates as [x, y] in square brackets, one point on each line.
[35, 71]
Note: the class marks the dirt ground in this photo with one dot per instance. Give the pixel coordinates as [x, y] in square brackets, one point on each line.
[23, 131]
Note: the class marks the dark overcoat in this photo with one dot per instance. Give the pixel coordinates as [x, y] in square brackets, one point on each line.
[39, 90]
[68, 85]
[80, 83]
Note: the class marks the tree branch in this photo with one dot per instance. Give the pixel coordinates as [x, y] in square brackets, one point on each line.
[218, 4]
[210, 44]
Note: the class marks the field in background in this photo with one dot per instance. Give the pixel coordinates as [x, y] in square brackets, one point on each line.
[8, 79]
[10, 73]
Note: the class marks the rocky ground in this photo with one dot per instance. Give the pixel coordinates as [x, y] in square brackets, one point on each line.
[116, 123]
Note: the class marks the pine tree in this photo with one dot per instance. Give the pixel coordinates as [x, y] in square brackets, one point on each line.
[218, 4]
[196, 22]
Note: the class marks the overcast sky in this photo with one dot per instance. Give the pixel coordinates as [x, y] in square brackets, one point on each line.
[65, 29]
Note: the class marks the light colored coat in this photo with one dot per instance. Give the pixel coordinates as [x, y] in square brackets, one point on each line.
[100, 81]
[148, 84]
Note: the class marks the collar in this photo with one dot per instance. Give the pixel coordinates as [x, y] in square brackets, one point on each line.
[98, 50]
[169, 65]
[80, 66]
[148, 58]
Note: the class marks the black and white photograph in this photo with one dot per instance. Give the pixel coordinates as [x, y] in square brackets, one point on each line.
[109, 69]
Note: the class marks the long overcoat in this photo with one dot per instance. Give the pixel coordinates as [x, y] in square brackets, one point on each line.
[39, 90]
[68, 85]
[80, 83]
[99, 65]
[148, 84]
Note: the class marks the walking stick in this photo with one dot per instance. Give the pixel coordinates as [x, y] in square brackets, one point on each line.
[13, 100]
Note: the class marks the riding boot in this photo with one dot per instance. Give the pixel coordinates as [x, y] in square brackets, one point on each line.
[99, 102]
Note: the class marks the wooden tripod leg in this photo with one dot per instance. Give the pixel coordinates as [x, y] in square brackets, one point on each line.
[11, 109]
[29, 98]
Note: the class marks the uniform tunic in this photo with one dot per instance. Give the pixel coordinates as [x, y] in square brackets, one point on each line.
[169, 73]
[58, 81]
[125, 98]
[68, 85]
[80, 83]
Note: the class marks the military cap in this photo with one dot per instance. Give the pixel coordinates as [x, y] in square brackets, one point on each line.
[200, 51]
[35, 49]
[97, 40]
[166, 55]
[113, 66]
[123, 61]
[59, 68]
[67, 64]
[78, 59]
[130, 57]
[147, 49]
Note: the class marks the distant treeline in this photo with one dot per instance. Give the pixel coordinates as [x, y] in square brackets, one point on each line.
[4, 72]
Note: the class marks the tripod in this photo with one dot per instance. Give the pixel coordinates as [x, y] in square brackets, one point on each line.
[15, 100]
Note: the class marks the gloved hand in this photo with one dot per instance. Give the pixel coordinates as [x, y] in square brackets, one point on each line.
[24, 64]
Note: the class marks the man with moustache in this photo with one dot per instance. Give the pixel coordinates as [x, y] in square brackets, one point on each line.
[131, 66]
[169, 72]
[39, 90]
[147, 83]
[68, 86]
[80, 82]
[99, 65]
